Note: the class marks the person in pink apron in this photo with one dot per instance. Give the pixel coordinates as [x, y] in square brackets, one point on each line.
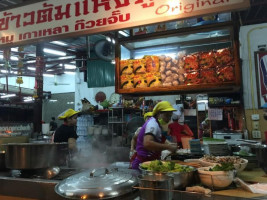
[150, 141]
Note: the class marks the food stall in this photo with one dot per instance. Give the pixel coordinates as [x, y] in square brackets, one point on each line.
[212, 68]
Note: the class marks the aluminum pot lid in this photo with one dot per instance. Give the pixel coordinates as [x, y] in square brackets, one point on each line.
[98, 184]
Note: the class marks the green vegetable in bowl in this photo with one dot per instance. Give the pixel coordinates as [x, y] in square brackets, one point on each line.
[223, 167]
[161, 167]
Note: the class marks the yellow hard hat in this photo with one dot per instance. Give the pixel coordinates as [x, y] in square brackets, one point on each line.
[67, 113]
[163, 106]
[148, 114]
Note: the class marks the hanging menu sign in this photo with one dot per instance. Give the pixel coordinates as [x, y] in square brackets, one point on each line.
[54, 19]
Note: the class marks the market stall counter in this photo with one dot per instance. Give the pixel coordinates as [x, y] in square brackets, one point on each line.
[33, 188]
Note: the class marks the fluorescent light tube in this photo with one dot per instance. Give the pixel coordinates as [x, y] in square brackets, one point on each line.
[67, 66]
[15, 49]
[123, 33]
[48, 75]
[55, 52]
[31, 61]
[8, 95]
[12, 58]
[59, 43]
[31, 68]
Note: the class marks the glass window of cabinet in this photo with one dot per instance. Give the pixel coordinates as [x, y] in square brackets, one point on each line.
[196, 58]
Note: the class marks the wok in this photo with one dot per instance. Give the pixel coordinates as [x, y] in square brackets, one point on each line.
[35, 155]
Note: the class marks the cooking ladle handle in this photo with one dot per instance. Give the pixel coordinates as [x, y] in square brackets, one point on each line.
[92, 173]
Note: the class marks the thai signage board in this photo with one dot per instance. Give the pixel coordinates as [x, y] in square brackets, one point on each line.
[51, 19]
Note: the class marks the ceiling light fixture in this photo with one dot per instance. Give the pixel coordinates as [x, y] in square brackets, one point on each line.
[15, 49]
[123, 33]
[66, 57]
[3, 71]
[31, 61]
[8, 95]
[55, 52]
[48, 75]
[12, 58]
[59, 43]
[31, 68]
[68, 66]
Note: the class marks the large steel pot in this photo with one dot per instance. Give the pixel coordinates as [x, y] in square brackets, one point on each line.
[35, 155]
[156, 187]
[100, 184]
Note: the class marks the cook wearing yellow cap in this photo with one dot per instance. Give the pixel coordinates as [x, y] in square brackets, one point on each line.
[150, 142]
[67, 114]
[147, 115]
[67, 131]
[134, 138]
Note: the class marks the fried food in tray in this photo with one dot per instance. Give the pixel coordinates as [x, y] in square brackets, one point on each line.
[207, 60]
[208, 76]
[191, 62]
[126, 67]
[139, 81]
[224, 56]
[126, 81]
[192, 78]
[153, 79]
[152, 63]
[226, 73]
[139, 66]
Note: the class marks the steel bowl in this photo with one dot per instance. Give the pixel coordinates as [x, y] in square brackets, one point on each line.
[181, 179]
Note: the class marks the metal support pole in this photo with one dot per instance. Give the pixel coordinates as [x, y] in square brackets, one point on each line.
[40, 65]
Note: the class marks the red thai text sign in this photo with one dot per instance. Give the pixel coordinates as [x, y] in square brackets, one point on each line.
[79, 17]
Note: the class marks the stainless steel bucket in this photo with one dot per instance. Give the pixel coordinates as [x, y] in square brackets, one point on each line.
[34, 155]
[156, 187]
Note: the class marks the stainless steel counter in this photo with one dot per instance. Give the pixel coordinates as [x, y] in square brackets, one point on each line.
[43, 189]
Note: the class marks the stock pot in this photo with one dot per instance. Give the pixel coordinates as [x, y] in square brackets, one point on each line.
[102, 183]
[35, 155]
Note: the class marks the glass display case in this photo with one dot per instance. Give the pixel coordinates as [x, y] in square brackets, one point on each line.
[191, 59]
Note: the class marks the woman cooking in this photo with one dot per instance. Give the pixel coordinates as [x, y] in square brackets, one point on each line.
[150, 141]
[66, 132]
[134, 138]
